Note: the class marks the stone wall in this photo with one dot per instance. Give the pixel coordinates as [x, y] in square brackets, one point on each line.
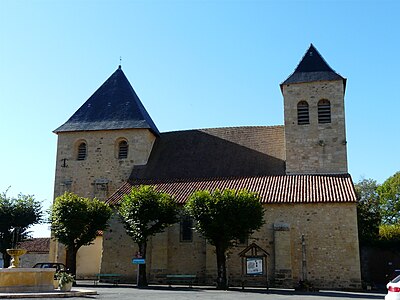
[118, 251]
[31, 258]
[314, 147]
[331, 249]
[101, 173]
[88, 259]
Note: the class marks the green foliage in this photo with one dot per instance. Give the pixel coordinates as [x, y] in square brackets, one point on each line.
[145, 212]
[16, 216]
[390, 233]
[64, 278]
[223, 217]
[378, 211]
[368, 210]
[389, 193]
[75, 220]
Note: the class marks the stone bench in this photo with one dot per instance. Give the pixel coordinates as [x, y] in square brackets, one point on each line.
[180, 278]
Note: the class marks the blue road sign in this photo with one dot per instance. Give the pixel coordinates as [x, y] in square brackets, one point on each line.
[138, 261]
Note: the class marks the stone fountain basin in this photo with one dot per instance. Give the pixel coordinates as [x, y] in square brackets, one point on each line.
[26, 280]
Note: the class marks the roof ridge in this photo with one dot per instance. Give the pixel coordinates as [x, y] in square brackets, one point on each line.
[225, 127]
[197, 179]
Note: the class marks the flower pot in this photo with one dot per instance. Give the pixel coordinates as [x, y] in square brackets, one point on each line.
[55, 284]
[66, 287]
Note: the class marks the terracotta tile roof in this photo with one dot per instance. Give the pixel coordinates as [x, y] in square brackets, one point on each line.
[272, 189]
[41, 245]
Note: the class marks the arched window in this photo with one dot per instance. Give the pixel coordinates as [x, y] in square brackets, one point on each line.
[303, 116]
[324, 111]
[123, 150]
[82, 151]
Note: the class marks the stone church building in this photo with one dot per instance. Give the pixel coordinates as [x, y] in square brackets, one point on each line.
[111, 144]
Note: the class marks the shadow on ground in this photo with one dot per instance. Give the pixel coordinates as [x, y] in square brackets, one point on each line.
[272, 291]
[330, 294]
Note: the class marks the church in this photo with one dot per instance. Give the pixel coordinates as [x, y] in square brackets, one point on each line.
[299, 169]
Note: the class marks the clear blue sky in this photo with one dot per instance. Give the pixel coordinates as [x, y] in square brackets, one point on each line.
[194, 64]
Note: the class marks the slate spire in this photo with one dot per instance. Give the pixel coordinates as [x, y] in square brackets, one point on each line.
[313, 67]
[114, 105]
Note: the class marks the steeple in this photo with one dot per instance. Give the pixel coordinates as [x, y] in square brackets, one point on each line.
[114, 105]
[315, 133]
[313, 67]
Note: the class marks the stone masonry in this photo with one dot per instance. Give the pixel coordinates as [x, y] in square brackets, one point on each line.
[280, 236]
[315, 148]
[101, 173]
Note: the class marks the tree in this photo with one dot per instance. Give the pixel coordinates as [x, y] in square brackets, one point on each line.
[144, 213]
[390, 234]
[222, 218]
[389, 193]
[16, 216]
[75, 222]
[368, 210]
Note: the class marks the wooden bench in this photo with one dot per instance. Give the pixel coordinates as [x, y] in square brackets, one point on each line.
[180, 278]
[114, 278]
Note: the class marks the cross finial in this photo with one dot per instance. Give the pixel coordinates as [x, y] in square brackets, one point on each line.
[120, 62]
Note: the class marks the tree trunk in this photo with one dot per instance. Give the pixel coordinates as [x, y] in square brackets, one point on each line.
[6, 260]
[142, 278]
[222, 283]
[71, 262]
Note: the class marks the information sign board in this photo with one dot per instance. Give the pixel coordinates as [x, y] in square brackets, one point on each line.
[254, 266]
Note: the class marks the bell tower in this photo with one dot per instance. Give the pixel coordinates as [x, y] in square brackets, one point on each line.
[315, 133]
[103, 141]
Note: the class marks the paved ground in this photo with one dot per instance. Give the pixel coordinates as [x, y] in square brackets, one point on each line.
[161, 293]
[126, 292]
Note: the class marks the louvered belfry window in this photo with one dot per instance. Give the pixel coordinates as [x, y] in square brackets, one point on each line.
[324, 111]
[123, 150]
[82, 151]
[303, 115]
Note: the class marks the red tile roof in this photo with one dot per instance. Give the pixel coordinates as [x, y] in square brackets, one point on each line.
[271, 189]
[41, 245]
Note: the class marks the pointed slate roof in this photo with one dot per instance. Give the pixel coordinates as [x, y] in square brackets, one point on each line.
[313, 67]
[114, 105]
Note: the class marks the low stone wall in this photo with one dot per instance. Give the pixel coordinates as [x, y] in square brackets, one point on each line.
[26, 280]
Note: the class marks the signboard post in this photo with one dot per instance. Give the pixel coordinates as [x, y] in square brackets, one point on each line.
[138, 260]
[254, 264]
